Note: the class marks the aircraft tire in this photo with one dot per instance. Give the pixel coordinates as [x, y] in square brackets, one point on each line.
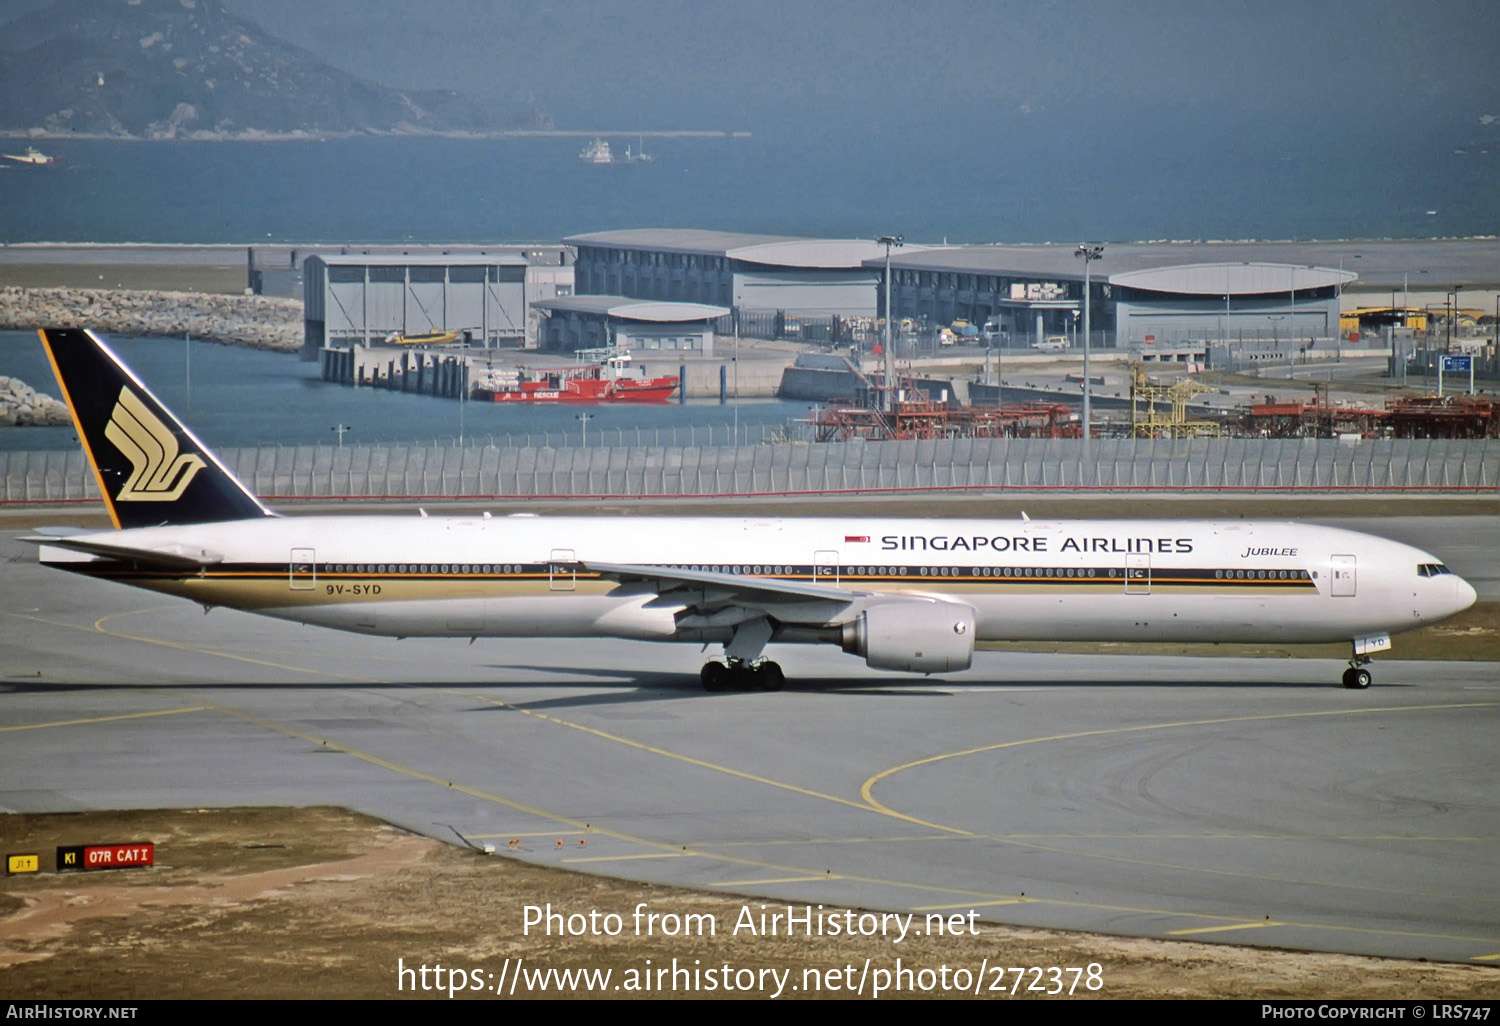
[768, 676]
[1357, 678]
[715, 676]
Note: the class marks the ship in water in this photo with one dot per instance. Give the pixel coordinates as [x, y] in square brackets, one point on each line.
[640, 156]
[597, 152]
[33, 157]
[607, 381]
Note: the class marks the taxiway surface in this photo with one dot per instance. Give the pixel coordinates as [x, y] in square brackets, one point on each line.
[1253, 801]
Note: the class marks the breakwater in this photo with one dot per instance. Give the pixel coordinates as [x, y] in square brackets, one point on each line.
[258, 322]
[23, 406]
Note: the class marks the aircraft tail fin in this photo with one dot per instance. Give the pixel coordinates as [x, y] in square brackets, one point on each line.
[151, 469]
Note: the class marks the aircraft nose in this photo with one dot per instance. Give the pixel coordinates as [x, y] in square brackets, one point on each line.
[1464, 594]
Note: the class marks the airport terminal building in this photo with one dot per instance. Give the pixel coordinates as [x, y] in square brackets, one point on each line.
[751, 273]
[1166, 293]
[1138, 294]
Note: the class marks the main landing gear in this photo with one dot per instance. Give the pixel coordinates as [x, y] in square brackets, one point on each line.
[743, 669]
[738, 675]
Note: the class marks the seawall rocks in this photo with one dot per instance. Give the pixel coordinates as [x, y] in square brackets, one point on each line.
[23, 406]
[259, 322]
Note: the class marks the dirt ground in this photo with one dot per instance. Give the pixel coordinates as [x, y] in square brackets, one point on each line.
[321, 903]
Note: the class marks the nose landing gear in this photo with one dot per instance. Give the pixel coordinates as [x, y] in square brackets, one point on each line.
[1357, 678]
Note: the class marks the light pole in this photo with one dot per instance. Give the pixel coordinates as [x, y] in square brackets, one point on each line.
[1338, 315]
[463, 393]
[1292, 328]
[1090, 253]
[889, 242]
[741, 302]
[1227, 287]
[1452, 316]
[1394, 355]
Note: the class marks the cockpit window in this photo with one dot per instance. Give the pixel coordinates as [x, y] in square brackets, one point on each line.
[1432, 570]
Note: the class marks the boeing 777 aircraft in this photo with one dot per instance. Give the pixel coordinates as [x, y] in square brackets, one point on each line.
[908, 595]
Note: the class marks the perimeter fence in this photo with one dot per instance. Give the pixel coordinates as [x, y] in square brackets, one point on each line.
[1191, 466]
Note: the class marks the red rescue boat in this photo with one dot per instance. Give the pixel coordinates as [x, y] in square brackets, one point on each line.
[599, 383]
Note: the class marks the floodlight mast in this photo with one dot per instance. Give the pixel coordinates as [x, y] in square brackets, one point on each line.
[889, 242]
[1090, 253]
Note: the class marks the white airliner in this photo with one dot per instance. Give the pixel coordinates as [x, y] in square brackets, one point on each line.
[908, 595]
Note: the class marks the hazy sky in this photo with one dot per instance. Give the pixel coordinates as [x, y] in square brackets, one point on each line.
[902, 66]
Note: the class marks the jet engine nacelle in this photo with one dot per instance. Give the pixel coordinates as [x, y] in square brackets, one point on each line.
[925, 637]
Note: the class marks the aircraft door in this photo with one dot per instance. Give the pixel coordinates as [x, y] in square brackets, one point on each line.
[1138, 573]
[302, 572]
[1344, 580]
[562, 570]
[825, 567]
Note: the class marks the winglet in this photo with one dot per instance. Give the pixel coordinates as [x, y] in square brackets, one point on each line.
[151, 469]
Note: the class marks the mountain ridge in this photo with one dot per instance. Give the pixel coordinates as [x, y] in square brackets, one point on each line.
[189, 69]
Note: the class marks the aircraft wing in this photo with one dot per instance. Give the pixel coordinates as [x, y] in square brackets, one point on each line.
[177, 557]
[729, 598]
[894, 631]
[762, 588]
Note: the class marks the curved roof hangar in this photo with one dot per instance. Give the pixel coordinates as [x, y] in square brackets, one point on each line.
[1232, 279]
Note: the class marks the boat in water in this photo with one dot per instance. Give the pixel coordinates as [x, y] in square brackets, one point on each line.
[640, 156]
[604, 382]
[597, 152]
[33, 157]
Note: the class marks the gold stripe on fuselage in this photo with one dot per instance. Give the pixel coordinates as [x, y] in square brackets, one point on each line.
[259, 589]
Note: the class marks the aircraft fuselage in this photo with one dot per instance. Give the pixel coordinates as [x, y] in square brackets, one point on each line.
[1112, 580]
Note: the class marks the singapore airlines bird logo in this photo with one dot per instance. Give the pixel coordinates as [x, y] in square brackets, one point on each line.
[158, 472]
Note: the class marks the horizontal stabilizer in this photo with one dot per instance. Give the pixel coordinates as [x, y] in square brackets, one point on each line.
[177, 557]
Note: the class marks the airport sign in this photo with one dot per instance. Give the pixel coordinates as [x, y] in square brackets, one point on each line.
[85, 857]
[23, 864]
